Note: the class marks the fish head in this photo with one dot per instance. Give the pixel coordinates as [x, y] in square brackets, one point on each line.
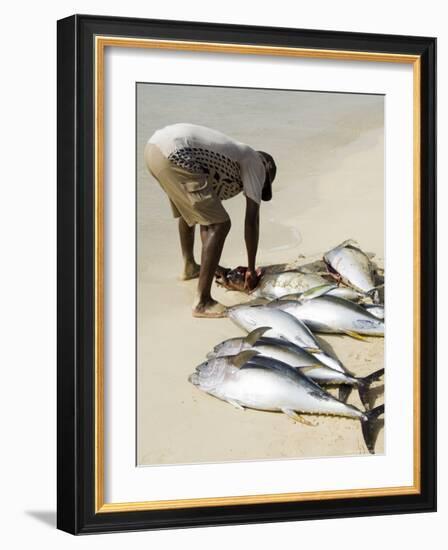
[236, 312]
[221, 347]
[237, 278]
[231, 279]
[210, 374]
[332, 255]
[221, 274]
[243, 316]
[227, 347]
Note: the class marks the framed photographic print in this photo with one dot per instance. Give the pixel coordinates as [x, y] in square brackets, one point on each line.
[246, 274]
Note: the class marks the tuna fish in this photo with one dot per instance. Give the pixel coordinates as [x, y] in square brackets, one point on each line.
[283, 325]
[353, 266]
[276, 285]
[276, 387]
[296, 357]
[255, 339]
[329, 314]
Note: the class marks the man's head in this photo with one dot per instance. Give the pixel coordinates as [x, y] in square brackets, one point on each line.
[271, 170]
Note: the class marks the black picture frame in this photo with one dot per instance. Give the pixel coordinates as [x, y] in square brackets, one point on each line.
[76, 286]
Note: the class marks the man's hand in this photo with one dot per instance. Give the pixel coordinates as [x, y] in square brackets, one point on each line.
[251, 279]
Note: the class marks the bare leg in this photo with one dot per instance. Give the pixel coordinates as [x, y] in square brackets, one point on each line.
[186, 234]
[213, 237]
[203, 233]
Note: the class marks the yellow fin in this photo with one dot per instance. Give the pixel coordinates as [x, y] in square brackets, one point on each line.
[355, 335]
[297, 417]
[241, 358]
[312, 367]
[317, 291]
[256, 334]
[313, 350]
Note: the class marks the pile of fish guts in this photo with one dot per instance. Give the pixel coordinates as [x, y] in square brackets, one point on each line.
[280, 366]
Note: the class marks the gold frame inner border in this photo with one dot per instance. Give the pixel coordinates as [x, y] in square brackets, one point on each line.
[101, 43]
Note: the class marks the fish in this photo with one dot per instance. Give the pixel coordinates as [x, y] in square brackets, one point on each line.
[256, 339]
[296, 357]
[231, 279]
[276, 285]
[282, 324]
[277, 388]
[284, 327]
[329, 314]
[233, 346]
[353, 266]
[274, 347]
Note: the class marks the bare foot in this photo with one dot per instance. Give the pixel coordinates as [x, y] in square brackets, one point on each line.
[211, 309]
[191, 271]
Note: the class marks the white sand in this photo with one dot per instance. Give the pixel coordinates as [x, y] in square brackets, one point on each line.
[329, 187]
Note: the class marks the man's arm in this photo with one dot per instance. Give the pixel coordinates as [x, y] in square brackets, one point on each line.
[251, 233]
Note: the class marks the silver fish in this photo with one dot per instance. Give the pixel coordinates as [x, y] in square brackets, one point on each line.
[233, 346]
[352, 265]
[286, 352]
[277, 285]
[329, 314]
[273, 347]
[255, 340]
[275, 388]
[283, 326]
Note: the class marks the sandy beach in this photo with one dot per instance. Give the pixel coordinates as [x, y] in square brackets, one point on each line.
[329, 149]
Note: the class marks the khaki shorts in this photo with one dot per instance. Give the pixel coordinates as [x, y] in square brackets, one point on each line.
[191, 195]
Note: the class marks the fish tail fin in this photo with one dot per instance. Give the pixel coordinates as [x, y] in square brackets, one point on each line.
[364, 386]
[344, 391]
[368, 427]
